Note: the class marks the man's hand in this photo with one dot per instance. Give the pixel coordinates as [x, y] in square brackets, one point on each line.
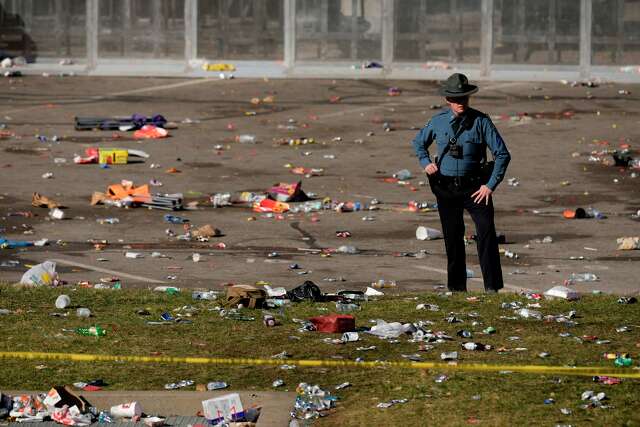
[483, 193]
[431, 168]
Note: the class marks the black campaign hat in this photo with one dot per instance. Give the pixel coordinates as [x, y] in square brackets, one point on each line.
[457, 85]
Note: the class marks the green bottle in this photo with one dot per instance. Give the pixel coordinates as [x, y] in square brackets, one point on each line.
[95, 331]
[623, 361]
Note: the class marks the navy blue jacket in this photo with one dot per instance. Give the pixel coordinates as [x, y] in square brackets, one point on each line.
[479, 133]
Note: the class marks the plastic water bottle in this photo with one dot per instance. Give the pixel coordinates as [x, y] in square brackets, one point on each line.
[402, 174]
[583, 277]
[216, 385]
[346, 307]
[221, 199]
[246, 139]
[204, 295]
[594, 213]
[529, 314]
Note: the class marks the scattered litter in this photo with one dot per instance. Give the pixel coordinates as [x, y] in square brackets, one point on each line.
[389, 404]
[628, 243]
[562, 292]
[426, 233]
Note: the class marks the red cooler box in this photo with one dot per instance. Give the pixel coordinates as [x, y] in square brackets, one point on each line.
[334, 323]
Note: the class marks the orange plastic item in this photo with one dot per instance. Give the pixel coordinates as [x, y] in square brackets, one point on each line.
[300, 171]
[138, 194]
[150, 132]
[268, 205]
[569, 214]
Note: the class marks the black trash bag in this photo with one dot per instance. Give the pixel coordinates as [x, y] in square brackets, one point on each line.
[622, 158]
[307, 291]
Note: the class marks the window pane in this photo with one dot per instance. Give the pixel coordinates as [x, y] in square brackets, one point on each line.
[437, 30]
[141, 29]
[338, 29]
[47, 29]
[615, 35]
[536, 32]
[241, 29]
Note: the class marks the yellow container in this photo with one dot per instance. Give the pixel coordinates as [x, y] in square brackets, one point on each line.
[218, 67]
[113, 156]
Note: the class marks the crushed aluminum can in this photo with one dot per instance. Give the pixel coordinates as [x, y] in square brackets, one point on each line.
[430, 307]
[464, 334]
[269, 320]
[277, 383]
[217, 385]
[343, 385]
[441, 378]
[413, 357]
[385, 405]
[287, 367]
[587, 395]
[350, 337]
[167, 317]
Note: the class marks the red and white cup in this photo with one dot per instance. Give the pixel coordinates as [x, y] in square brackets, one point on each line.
[126, 410]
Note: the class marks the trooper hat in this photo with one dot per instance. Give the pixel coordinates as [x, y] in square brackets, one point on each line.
[457, 85]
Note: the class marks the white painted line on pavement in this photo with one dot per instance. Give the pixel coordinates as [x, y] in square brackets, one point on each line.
[46, 104]
[107, 271]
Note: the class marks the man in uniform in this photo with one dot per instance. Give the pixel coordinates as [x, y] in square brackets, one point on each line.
[461, 178]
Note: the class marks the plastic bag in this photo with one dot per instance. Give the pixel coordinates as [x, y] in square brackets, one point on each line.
[41, 275]
[386, 330]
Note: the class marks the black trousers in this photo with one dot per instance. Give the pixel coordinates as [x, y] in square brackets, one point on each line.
[453, 197]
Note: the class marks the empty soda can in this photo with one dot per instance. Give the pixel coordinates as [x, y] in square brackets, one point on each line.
[63, 301]
[350, 337]
[269, 320]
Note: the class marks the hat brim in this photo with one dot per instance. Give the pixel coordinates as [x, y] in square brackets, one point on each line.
[471, 89]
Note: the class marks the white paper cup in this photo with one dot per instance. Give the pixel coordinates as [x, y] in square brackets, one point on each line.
[83, 312]
[126, 410]
[426, 233]
[63, 301]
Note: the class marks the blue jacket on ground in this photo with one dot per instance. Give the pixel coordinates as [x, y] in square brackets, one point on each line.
[479, 133]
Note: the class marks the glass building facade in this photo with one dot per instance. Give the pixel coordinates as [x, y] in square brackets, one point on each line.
[583, 37]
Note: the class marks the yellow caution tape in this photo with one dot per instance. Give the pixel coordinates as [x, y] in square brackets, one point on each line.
[466, 367]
